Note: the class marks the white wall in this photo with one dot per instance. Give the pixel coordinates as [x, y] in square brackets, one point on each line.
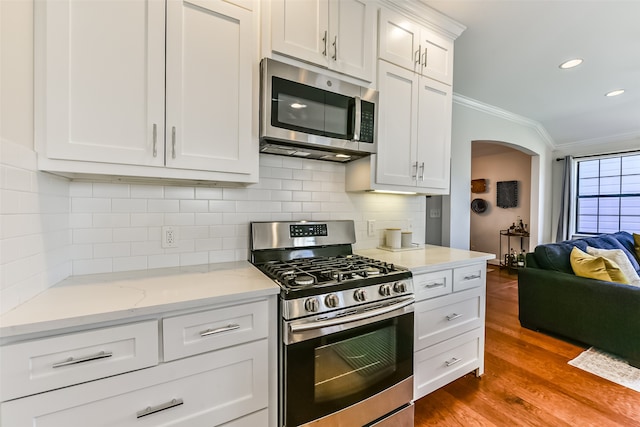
[475, 121]
[510, 165]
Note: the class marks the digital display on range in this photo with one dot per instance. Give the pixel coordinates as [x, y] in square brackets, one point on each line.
[308, 230]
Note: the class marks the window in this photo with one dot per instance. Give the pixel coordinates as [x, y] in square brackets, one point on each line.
[608, 195]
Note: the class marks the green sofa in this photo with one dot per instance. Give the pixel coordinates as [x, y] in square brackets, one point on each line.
[551, 298]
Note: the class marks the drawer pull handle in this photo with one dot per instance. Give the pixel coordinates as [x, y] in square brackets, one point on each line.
[452, 362]
[453, 316]
[153, 409]
[434, 285]
[230, 327]
[472, 277]
[72, 361]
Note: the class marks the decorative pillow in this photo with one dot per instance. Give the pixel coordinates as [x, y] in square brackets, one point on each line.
[621, 259]
[591, 267]
[636, 246]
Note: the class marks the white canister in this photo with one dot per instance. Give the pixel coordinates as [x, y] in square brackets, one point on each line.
[407, 239]
[393, 237]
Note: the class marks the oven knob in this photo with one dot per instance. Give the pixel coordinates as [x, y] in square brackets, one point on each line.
[312, 304]
[385, 290]
[360, 295]
[332, 301]
[400, 287]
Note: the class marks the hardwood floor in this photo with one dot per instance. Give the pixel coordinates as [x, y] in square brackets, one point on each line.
[527, 381]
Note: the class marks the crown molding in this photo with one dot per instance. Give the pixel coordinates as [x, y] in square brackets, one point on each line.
[506, 115]
[599, 141]
[429, 17]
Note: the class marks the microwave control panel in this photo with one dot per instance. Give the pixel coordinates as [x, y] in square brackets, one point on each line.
[367, 122]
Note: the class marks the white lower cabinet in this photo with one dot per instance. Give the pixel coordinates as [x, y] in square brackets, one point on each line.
[223, 383]
[449, 326]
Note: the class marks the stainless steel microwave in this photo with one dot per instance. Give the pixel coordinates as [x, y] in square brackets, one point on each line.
[310, 115]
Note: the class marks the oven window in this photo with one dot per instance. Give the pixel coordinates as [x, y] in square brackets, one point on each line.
[307, 109]
[355, 364]
[332, 372]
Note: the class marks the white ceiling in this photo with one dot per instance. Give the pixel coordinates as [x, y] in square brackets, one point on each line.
[509, 54]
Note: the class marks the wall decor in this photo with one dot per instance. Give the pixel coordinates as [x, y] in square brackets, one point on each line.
[478, 185]
[507, 194]
[479, 205]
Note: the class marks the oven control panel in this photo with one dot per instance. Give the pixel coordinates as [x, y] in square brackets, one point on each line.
[307, 230]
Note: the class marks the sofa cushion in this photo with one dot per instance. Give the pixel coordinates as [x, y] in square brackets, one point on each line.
[627, 242]
[595, 267]
[621, 259]
[555, 256]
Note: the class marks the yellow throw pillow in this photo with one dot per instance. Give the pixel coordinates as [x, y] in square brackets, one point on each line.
[596, 267]
[636, 246]
[620, 258]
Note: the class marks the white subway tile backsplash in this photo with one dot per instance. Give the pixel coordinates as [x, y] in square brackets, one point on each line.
[103, 189]
[146, 191]
[163, 205]
[53, 227]
[179, 192]
[90, 204]
[128, 205]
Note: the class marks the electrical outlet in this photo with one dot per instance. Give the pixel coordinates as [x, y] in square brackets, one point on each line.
[169, 237]
[434, 213]
[370, 228]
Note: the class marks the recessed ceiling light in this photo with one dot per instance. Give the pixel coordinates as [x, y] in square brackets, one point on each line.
[571, 63]
[615, 92]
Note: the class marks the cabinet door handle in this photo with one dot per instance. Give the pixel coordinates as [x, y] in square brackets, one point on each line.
[422, 171]
[424, 56]
[229, 327]
[452, 362]
[435, 285]
[415, 171]
[335, 48]
[155, 140]
[324, 40]
[173, 142]
[153, 409]
[453, 316]
[72, 361]
[416, 56]
[472, 277]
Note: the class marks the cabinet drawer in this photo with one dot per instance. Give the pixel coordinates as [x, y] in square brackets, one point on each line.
[206, 390]
[443, 318]
[34, 366]
[442, 363]
[430, 285]
[204, 331]
[469, 277]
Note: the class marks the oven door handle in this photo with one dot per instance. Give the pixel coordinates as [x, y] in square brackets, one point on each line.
[351, 318]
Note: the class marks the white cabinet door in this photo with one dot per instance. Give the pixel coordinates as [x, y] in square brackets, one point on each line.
[300, 28]
[352, 41]
[434, 134]
[436, 56]
[397, 125]
[399, 40]
[100, 80]
[209, 70]
[414, 47]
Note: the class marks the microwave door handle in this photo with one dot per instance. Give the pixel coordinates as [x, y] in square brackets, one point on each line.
[358, 119]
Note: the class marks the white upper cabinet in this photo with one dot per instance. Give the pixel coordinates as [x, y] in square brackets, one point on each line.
[337, 34]
[102, 90]
[102, 98]
[414, 130]
[209, 105]
[415, 47]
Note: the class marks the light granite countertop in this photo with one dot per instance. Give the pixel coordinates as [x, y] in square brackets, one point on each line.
[427, 258]
[89, 299]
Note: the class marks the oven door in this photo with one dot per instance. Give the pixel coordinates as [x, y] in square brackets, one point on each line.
[333, 370]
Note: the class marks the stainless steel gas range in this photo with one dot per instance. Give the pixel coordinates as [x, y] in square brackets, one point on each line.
[346, 335]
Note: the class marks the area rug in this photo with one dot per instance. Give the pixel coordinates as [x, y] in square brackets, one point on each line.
[608, 366]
